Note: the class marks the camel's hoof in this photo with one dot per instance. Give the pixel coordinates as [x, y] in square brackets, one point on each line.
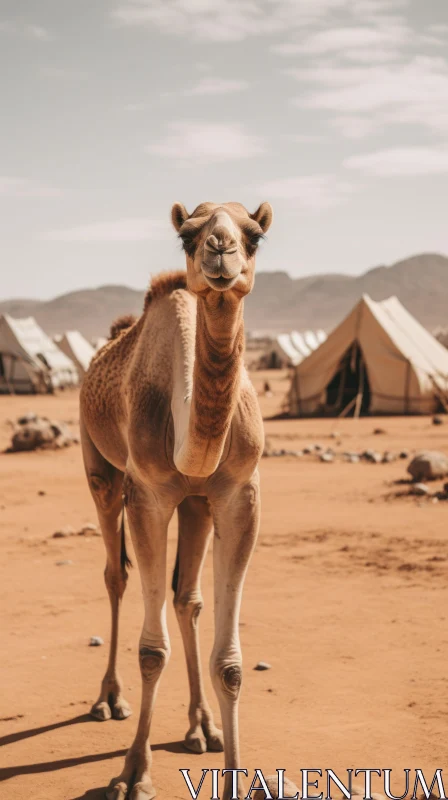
[196, 741]
[143, 792]
[101, 711]
[289, 787]
[121, 710]
[215, 741]
[117, 793]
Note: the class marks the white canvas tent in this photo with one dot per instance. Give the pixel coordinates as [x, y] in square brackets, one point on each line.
[289, 349]
[78, 349]
[99, 342]
[378, 360]
[29, 360]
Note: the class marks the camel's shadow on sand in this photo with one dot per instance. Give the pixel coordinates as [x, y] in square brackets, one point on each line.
[64, 763]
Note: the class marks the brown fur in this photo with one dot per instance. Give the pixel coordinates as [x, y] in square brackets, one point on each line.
[121, 324]
[164, 284]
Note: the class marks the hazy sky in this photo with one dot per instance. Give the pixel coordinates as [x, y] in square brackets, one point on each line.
[334, 110]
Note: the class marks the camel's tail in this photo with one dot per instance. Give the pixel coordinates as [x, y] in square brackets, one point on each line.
[124, 558]
[175, 579]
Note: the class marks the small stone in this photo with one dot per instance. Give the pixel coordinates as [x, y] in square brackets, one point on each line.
[420, 489]
[352, 458]
[372, 456]
[307, 451]
[327, 458]
[64, 563]
[404, 454]
[335, 434]
[64, 532]
[96, 641]
[388, 457]
[30, 417]
[379, 431]
[89, 529]
[297, 453]
[445, 488]
[429, 466]
[41, 493]
[262, 666]
[318, 448]
[437, 420]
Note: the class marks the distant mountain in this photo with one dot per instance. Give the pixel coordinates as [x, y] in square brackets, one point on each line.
[281, 303]
[90, 311]
[277, 303]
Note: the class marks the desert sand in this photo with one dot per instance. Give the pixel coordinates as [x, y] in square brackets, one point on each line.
[346, 598]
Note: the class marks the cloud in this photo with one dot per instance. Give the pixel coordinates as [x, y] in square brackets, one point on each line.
[384, 39]
[216, 86]
[236, 20]
[415, 92]
[23, 187]
[28, 30]
[203, 19]
[207, 142]
[403, 161]
[125, 229]
[308, 192]
[37, 32]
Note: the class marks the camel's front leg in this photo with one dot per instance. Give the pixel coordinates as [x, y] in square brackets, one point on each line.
[236, 529]
[148, 521]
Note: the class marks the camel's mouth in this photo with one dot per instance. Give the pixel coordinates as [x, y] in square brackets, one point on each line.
[220, 284]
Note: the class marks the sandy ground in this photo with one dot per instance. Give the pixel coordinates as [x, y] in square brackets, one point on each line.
[346, 598]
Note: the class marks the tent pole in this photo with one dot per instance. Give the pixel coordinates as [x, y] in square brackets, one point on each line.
[408, 382]
[8, 383]
[439, 393]
[347, 408]
[360, 395]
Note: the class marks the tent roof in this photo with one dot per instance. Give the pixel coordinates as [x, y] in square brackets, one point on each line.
[286, 344]
[410, 338]
[80, 349]
[415, 342]
[33, 344]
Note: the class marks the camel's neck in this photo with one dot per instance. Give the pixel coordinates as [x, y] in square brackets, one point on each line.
[203, 415]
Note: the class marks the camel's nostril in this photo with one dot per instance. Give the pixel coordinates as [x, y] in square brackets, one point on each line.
[221, 240]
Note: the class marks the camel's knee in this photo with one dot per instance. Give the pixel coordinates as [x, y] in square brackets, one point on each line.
[227, 675]
[188, 606]
[153, 661]
[105, 489]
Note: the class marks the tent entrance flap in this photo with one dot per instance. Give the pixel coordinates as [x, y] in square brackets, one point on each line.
[349, 390]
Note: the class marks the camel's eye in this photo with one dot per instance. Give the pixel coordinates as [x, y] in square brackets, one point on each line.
[253, 240]
[188, 244]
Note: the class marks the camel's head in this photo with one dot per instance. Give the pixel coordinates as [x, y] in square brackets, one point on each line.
[220, 243]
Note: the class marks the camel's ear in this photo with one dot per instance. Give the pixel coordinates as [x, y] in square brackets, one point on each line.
[263, 216]
[179, 215]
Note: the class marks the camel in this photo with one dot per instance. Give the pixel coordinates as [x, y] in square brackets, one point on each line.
[170, 420]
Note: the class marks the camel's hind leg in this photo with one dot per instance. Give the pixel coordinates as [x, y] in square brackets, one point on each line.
[105, 482]
[195, 525]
